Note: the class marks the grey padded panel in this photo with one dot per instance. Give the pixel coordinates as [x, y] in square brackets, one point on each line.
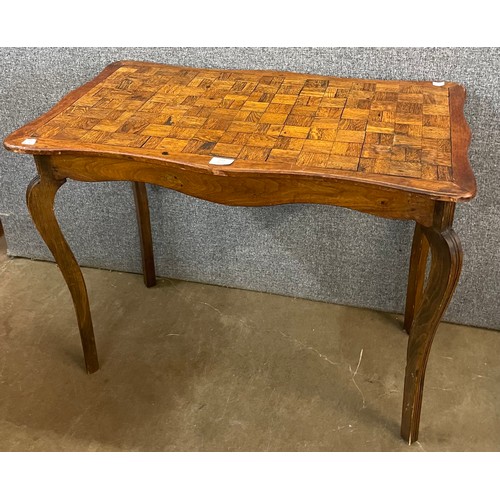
[312, 251]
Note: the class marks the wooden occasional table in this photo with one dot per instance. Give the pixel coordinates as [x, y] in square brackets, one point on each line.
[395, 149]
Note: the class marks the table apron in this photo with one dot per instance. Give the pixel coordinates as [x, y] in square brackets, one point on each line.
[248, 189]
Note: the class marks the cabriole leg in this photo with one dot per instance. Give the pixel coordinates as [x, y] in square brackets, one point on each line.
[40, 200]
[446, 264]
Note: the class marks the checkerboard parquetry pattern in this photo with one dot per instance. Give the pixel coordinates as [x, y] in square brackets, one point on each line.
[378, 127]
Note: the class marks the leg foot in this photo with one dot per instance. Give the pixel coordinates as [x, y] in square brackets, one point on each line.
[40, 199]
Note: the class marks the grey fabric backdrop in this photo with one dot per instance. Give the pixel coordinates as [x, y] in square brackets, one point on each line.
[312, 251]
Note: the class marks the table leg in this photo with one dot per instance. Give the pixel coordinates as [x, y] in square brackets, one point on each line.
[144, 223]
[416, 277]
[446, 264]
[40, 199]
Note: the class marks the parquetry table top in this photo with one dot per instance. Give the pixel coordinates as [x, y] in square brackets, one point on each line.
[403, 134]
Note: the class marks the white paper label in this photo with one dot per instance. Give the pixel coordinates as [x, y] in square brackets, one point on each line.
[29, 142]
[438, 84]
[221, 161]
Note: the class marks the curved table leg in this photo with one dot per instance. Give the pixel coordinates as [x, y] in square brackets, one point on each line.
[416, 277]
[144, 223]
[445, 269]
[40, 199]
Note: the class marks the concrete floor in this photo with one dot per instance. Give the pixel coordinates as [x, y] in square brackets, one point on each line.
[191, 367]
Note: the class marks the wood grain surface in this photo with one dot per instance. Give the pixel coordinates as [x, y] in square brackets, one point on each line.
[404, 134]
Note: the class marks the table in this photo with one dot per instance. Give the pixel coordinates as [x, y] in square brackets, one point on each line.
[394, 149]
